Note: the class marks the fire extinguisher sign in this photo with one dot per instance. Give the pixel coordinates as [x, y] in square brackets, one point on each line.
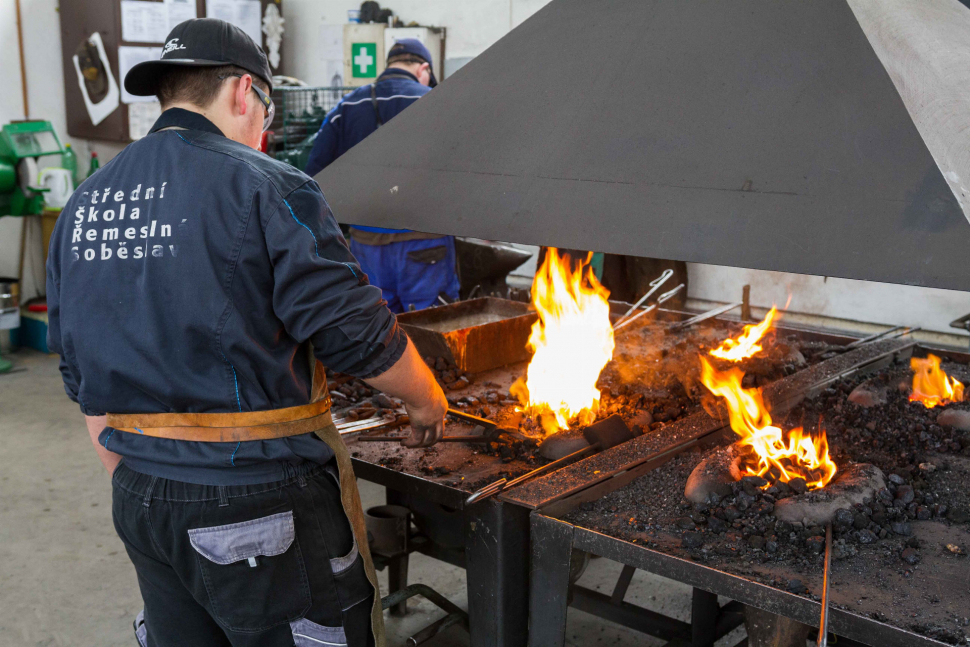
[363, 58]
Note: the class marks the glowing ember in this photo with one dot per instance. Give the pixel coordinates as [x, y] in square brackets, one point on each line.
[931, 385]
[572, 342]
[777, 459]
[747, 344]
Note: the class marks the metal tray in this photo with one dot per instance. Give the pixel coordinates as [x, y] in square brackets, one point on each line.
[475, 335]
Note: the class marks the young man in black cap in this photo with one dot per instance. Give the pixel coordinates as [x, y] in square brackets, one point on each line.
[411, 268]
[187, 283]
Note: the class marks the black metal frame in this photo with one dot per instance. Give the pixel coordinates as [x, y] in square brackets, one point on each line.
[554, 540]
[489, 540]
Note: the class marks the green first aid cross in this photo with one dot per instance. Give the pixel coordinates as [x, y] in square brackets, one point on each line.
[363, 60]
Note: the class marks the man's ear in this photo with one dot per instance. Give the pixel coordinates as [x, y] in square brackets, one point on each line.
[240, 94]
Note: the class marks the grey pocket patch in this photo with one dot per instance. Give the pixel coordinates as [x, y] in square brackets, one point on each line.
[340, 564]
[310, 634]
[141, 631]
[235, 542]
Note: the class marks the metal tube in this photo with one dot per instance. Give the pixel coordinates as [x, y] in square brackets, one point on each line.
[823, 627]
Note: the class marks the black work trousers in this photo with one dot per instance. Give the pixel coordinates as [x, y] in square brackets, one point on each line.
[272, 565]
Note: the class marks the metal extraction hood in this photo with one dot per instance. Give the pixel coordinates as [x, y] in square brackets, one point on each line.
[755, 134]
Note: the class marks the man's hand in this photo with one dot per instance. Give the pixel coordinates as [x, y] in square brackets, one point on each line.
[428, 421]
[412, 381]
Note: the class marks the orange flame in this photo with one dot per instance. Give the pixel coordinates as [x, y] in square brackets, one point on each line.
[572, 341]
[746, 345]
[931, 385]
[802, 456]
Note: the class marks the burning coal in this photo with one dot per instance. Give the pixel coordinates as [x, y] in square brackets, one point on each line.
[931, 385]
[746, 345]
[775, 456]
[572, 341]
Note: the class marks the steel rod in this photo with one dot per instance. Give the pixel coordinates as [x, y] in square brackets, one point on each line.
[663, 297]
[871, 338]
[823, 626]
[498, 486]
[445, 439]
[654, 286]
[704, 316]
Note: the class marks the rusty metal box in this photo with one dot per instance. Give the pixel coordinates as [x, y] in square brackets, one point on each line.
[475, 335]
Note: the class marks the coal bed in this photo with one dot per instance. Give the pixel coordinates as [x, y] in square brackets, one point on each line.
[651, 382]
[900, 557]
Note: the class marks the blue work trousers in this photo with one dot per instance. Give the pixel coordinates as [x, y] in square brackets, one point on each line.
[410, 273]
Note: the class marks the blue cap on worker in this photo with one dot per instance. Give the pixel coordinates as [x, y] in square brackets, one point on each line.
[417, 48]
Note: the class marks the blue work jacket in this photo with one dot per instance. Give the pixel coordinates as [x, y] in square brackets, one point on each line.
[354, 118]
[190, 274]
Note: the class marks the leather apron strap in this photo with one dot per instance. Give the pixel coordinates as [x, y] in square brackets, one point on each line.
[226, 427]
[350, 499]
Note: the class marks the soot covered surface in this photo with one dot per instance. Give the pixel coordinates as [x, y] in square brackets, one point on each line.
[900, 558]
[651, 381]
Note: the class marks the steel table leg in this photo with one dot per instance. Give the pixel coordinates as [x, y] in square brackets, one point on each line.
[552, 546]
[497, 560]
[703, 618]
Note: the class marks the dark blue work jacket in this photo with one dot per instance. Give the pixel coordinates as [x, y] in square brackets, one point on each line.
[354, 118]
[189, 275]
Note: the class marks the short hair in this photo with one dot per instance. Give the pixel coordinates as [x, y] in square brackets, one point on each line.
[406, 58]
[198, 85]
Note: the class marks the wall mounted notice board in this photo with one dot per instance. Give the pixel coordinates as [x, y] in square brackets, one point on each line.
[101, 40]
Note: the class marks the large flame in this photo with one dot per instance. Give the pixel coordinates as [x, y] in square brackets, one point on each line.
[777, 460]
[746, 345]
[931, 385]
[572, 342]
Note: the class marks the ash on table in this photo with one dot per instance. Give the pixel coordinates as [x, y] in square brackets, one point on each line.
[928, 482]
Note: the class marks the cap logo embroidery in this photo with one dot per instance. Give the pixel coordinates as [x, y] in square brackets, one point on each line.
[171, 46]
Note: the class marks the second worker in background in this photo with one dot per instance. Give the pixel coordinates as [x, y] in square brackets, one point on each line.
[411, 268]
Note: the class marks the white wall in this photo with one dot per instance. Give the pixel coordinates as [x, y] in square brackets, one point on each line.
[473, 26]
[862, 301]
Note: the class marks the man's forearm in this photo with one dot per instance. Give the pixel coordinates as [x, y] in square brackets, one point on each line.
[96, 425]
[409, 379]
[412, 381]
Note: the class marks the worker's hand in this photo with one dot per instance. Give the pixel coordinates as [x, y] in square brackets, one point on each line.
[428, 420]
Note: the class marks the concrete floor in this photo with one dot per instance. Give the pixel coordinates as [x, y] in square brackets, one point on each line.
[65, 578]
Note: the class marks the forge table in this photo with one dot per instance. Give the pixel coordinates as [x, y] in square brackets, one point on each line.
[861, 614]
[554, 540]
[491, 539]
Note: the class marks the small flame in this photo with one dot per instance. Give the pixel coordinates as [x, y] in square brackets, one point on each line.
[931, 385]
[746, 345]
[572, 341]
[803, 456]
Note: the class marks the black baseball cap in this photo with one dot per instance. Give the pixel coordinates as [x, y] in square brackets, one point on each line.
[201, 42]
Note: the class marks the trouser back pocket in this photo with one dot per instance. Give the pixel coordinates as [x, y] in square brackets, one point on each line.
[254, 572]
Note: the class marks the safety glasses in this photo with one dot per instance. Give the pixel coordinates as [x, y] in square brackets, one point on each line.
[268, 106]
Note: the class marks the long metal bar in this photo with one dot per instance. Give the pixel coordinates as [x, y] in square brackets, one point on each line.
[666, 296]
[654, 286]
[704, 316]
[444, 439]
[823, 626]
[870, 338]
[498, 486]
